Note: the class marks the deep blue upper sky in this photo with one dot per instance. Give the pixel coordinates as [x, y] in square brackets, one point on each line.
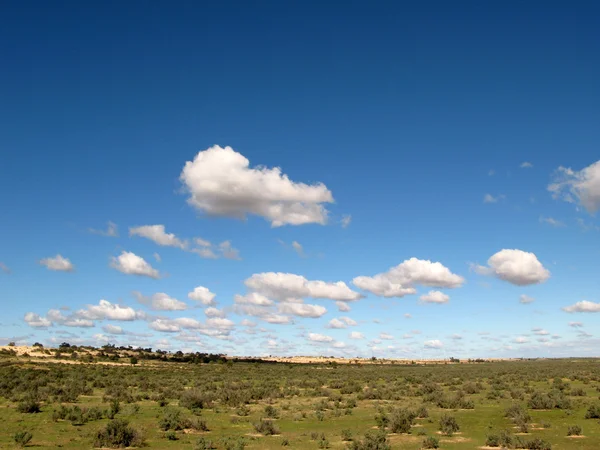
[409, 113]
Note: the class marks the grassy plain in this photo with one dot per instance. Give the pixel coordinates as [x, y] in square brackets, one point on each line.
[307, 406]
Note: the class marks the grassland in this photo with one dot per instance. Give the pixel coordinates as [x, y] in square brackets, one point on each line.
[234, 405]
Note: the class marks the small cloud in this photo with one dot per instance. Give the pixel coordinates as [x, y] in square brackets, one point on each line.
[111, 230]
[356, 335]
[489, 198]
[4, 268]
[203, 296]
[316, 337]
[158, 235]
[408, 316]
[58, 263]
[298, 248]
[346, 219]
[386, 336]
[131, 264]
[526, 165]
[584, 306]
[228, 252]
[551, 221]
[434, 297]
[434, 343]
[525, 299]
[576, 324]
[342, 306]
[157, 257]
[491, 172]
[521, 340]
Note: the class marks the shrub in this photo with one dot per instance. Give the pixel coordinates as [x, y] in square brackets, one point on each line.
[193, 399]
[346, 435]
[538, 444]
[448, 425]
[29, 406]
[266, 427]
[243, 411]
[593, 412]
[502, 439]
[171, 436]
[431, 442]
[323, 442]
[285, 442]
[172, 419]
[204, 444]
[574, 430]
[22, 438]
[271, 412]
[401, 420]
[372, 441]
[118, 433]
[422, 412]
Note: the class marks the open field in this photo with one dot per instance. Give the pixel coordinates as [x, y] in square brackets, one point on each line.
[170, 404]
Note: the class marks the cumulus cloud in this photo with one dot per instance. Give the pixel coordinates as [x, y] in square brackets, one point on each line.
[58, 263]
[540, 332]
[515, 266]
[111, 230]
[316, 337]
[579, 187]
[433, 343]
[158, 235]
[203, 296]
[221, 182]
[214, 312]
[342, 322]
[37, 321]
[253, 298]
[301, 309]
[584, 306]
[356, 335]
[107, 310]
[521, 340]
[112, 329]
[72, 320]
[524, 299]
[214, 327]
[131, 264]
[401, 279]
[386, 336]
[342, 306]
[526, 165]
[160, 302]
[576, 324]
[290, 287]
[228, 252]
[434, 297]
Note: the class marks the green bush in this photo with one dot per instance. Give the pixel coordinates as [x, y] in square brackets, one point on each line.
[266, 427]
[574, 430]
[118, 433]
[204, 444]
[29, 406]
[593, 412]
[22, 438]
[448, 425]
[372, 441]
[346, 435]
[431, 442]
[401, 420]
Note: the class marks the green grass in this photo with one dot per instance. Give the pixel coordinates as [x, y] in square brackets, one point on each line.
[294, 390]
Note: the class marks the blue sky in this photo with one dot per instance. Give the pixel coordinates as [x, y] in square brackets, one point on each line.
[325, 142]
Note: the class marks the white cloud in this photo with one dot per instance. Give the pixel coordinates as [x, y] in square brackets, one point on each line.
[131, 264]
[157, 257]
[580, 187]
[37, 321]
[526, 165]
[456, 337]
[58, 263]
[253, 298]
[407, 316]
[215, 326]
[399, 280]
[346, 220]
[107, 310]
[228, 252]
[112, 329]
[290, 287]
[576, 324]
[342, 322]
[584, 306]
[298, 248]
[71, 320]
[343, 306]
[202, 295]
[521, 340]
[248, 323]
[339, 345]
[489, 198]
[157, 234]
[515, 266]
[316, 337]
[214, 312]
[160, 302]
[301, 309]
[111, 230]
[4, 268]
[540, 332]
[386, 336]
[356, 335]
[221, 183]
[434, 297]
[434, 343]
[524, 299]
[551, 221]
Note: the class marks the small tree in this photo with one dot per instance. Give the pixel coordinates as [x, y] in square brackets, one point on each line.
[133, 360]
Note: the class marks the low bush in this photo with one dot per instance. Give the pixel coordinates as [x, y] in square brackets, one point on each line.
[266, 427]
[448, 425]
[371, 441]
[574, 430]
[29, 406]
[593, 412]
[431, 442]
[22, 438]
[118, 433]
